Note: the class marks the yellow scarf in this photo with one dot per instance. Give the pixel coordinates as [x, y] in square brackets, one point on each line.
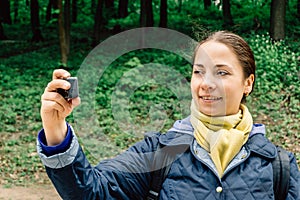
[222, 137]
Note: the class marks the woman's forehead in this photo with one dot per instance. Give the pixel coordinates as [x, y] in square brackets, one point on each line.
[213, 50]
[215, 55]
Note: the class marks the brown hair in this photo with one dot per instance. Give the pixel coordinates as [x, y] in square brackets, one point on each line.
[240, 48]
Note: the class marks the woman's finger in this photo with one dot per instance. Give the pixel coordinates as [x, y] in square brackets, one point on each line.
[75, 102]
[57, 99]
[50, 106]
[60, 74]
[57, 83]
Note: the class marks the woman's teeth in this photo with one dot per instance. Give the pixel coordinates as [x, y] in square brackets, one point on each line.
[211, 98]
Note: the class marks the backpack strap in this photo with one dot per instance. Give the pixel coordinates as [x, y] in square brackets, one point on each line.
[158, 178]
[281, 174]
[163, 159]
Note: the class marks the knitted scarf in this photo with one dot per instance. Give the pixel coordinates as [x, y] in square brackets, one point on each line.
[221, 136]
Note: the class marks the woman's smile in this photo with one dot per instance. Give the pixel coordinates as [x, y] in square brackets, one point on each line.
[210, 99]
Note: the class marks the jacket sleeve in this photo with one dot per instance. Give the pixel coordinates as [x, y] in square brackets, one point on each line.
[294, 187]
[125, 177]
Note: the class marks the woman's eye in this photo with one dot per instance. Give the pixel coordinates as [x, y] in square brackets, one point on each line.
[198, 72]
[222, 73]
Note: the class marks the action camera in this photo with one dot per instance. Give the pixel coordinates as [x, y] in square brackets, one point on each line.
[71, 93]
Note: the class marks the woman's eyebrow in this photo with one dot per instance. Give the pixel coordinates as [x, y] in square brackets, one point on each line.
[198, 65]
[216, 66]
[223, 65]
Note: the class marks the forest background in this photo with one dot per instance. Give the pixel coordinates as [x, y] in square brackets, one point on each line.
[40, 36]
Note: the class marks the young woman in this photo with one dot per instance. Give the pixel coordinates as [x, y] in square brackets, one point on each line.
[225, 155]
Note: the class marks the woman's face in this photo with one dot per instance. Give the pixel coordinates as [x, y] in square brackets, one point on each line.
[218, 83]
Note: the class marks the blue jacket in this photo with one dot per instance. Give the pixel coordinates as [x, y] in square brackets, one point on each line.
[192, 174]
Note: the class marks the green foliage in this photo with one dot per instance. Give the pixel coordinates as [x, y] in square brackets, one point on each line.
[126, 23]
[275, 100]
[251, 16]
[22, 81]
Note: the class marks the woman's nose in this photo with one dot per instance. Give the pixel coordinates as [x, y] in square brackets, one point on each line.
[208, 83]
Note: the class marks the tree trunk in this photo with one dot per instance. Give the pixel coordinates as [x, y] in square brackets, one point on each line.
[52, 5]
[109, 10]
[16, 8]
[35, 21]
[109, 3]
[163, 14]
[123, 8]
[93, 6]
[55, 7]
[277, 20]
[207, 4]
[62, 35]
[143, 14]
[67, 23]
[298, 9]
[122, 13]
[48, 11]
[2, 35]
[228, 22]
[146, 16]
[98, 22]
[5, 11]
[179, 6]
[74, 11]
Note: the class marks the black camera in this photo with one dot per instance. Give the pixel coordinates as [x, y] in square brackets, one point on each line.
[71, 93]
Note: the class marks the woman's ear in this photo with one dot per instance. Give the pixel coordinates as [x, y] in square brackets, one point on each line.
[249, 84]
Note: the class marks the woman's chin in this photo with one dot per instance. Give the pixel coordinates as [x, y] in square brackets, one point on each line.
[212, 111]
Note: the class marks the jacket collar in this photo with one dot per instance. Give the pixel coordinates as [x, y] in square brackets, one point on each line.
[259, 144]
[182, 133]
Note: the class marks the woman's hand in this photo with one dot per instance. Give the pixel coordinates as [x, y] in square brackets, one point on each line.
[55, 108]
